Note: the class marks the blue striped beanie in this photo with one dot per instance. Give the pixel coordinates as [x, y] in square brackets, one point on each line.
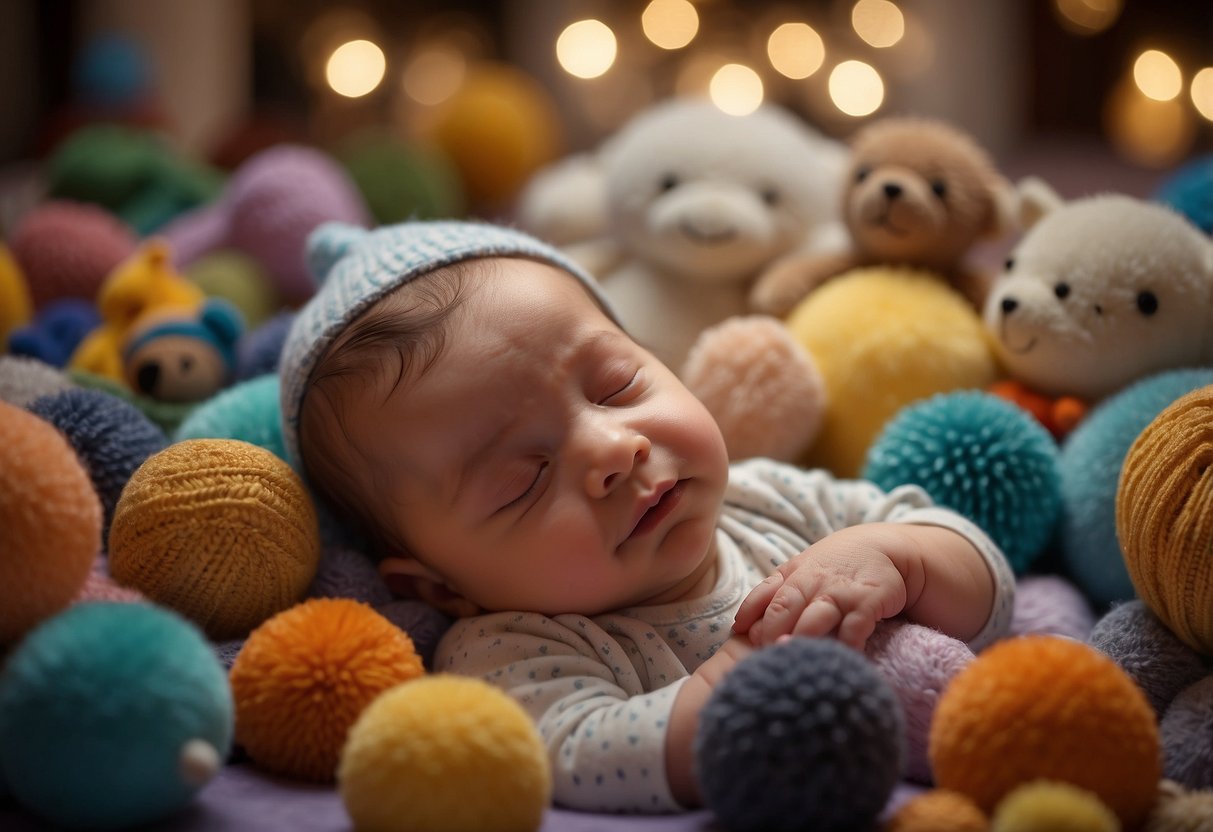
[356, 267]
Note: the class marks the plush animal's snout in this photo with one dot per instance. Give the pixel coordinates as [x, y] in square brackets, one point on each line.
[1008, 305]
[892, 190]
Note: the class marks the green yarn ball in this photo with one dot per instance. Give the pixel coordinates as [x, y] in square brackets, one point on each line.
[401, 180]
[982, 457]
[239, 279]
[248, 411]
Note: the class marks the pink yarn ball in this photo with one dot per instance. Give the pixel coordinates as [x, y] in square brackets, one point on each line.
[66, 249]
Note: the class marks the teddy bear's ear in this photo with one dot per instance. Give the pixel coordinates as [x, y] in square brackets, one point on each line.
[1036, 198]
[222, 319]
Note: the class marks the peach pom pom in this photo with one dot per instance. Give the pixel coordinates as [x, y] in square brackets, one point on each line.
[938, 810]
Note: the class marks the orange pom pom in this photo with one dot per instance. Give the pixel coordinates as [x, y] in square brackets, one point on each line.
[304, 677]
[1041, 707]
[50, 522]
[938, 811]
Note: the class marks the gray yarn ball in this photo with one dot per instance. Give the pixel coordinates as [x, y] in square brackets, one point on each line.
[24, 379]
[801, 735]
[424, 624]
[1153, 656]
[1186, 732]
[345, 572]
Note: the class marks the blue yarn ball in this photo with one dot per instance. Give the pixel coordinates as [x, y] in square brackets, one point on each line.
[981, 456]
[1189, 191]
[258, 351]
[96, 707]
[56, 331]
[111, 437]
[801, 735]
[249, 411]
[1091, 459]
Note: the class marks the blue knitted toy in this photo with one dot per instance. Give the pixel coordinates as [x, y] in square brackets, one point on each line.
[801, 735]
[1090, 470]
[1189, 191]
[247, 411]
[112, 438]
[981, 456]
[112, 715]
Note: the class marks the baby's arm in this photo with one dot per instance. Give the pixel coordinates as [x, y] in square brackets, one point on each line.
[855, 577]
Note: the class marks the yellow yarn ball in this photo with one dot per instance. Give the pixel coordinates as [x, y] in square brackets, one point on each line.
[50, 522]
[1047, 806]
[1042, 707]
[220, 530]
[445, 754]
[883, 338]
[1164, 517]
[938, 810]
[16, 305]
[304, 676]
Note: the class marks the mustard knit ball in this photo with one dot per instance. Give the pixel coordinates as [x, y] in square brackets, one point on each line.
[1041, 707]
[1163, 517]
[50, 522]
[303, 677]
[1056, 807]
[445, 754]
[220, 530]
[883, 338]
[938, 810]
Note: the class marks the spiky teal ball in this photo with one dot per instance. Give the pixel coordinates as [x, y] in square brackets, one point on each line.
[982, 457]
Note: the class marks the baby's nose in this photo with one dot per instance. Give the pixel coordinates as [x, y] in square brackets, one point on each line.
[614, 454]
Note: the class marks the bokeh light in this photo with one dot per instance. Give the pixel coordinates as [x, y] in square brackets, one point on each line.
[736, 89]
[1150, 132]
[1157, 75]
[856, 88]
[1202, 92]
[434, 74]
[355, 68]
[878, 22]
[586, 49]
[796, 50]
[1086, 17]
[670, 24]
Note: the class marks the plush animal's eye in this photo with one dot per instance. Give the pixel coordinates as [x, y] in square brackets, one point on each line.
[770, 196]
[1009, 264]
[939, 188]
[1062, 290]
[1147, 303]
[668, 182]
[862, 174]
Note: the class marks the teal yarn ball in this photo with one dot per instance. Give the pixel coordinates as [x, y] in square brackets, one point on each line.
[981, 456]
[248, 411]
[112, 715]
[1091, 459]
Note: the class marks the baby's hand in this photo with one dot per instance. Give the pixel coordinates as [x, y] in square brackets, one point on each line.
[843, 585]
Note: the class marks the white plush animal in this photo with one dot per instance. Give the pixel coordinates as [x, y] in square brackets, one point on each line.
[699, 202]
[1100, 292]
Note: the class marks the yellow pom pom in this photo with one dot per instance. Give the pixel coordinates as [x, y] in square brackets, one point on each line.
[938, 810]
[1041, 707]
[1163, 520]
[16, 306]
[1046, 806]
[883, 338]
[445, 754]
[220, 530]
[50, 522]
[304, 676]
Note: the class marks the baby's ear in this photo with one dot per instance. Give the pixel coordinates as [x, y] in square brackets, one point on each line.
[410, 578]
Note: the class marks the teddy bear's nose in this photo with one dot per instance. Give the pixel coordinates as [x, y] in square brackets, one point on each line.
[147, 376]
[892, 190]
[1009, 305]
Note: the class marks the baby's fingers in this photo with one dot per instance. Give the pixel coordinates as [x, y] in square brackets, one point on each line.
[819, 618]
[856, 628]
[755, 604]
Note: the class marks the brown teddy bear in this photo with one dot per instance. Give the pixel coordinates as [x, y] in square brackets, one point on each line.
[919, 193]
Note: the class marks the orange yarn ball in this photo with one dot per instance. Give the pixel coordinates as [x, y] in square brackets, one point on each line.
[1041, 707]
[938, 810]
[1164, 517]
[303, 678]
[220, 530]
[50, 522]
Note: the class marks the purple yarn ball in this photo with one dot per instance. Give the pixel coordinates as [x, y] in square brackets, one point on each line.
[1051, 605]
[917, 663]
[345, 572]
[112, 437]
[258, 351]
[803, 734]
[1153, 656]
[424, 624]
[1186, 732]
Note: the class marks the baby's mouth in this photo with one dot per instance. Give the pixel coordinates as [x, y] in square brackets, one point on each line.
[667, 500]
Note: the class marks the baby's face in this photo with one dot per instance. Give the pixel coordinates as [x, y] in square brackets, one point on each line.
[546, 462]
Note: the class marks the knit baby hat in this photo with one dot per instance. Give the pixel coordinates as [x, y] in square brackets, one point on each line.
[356, 268]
